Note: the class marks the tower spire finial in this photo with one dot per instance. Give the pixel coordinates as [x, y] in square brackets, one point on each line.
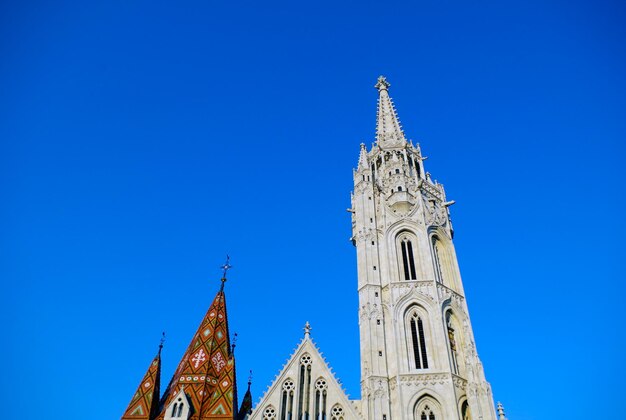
[225, 267]
[388, 129]
[382, 83]
[501, 415]
[161, 343]
[307, 329]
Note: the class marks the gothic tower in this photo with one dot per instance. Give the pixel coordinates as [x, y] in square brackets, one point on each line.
[418, 357]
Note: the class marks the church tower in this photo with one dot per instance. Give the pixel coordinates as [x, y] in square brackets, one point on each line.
[418, 357]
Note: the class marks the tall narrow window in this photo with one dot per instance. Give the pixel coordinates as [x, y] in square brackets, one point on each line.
[286, 407]
[304, 388]
[174, 409]
[408, 261]
[320, 399]
[180, 410]
[418, 342]
[420, 328]
[405, 260]
[465, 411]
[415, 346]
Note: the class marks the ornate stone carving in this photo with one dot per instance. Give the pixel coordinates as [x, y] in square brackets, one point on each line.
[404, 288]
[424, 379]
[434, 213]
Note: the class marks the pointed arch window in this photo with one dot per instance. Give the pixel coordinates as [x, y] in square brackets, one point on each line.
[418, 342]
[174, 409]
[304, 388]
[286, 406]
[427, 414]
[180, 410]
[321, 391]
[407, 257]
[465, 411]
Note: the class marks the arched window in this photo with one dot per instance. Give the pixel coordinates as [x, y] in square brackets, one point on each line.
[269, 413]
[286, 407]
[336, 413]
[417, 342]
[174, 409]
[180, 410]
[427, 408]
[407, 256]
[427, 414]
[320, 399]
[465, 411]
[304, 389]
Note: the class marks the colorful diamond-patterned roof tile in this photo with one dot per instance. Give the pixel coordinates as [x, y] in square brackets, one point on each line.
[207, 369]
[145, 403]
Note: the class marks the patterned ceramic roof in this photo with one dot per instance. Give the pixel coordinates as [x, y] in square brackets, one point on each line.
[145, 402]
[207, 369]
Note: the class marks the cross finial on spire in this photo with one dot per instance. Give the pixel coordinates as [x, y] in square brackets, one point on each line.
[161, 343]
[250, 379]
[307, 329]
[382, 83]
[234, 344]
[225, 267]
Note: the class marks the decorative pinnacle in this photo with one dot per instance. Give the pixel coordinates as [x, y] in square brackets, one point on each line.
[382, 83]
[250, 379]
[234, 344]
[161, 343]
[307, 329]
[225, 267]
[501, 411]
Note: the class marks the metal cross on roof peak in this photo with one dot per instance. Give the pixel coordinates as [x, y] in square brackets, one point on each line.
[225, 267]
[161, 343]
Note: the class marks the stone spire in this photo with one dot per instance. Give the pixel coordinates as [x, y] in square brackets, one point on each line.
[145, 403]
[501, 415]
[388, 129]
[363, 162]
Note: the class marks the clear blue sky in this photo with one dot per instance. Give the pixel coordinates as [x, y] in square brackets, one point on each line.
[140, 141]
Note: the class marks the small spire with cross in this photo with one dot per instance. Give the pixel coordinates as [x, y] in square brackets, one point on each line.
[234, 344]
[225, 267]
[307, 330]
[161, 343]
[250, 379]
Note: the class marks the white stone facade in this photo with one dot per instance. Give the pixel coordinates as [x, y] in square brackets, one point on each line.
[418, 356]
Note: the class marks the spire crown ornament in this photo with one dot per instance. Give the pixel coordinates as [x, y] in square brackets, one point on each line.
[382, 83]
[501, 415]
